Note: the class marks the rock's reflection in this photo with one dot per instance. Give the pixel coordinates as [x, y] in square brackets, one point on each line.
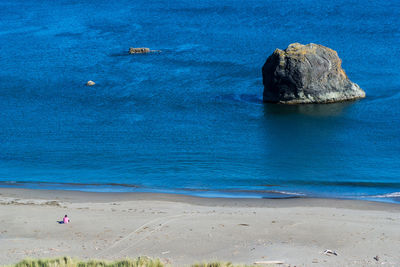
[334, 109]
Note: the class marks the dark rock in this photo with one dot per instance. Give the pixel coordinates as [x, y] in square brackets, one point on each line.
[307, 74]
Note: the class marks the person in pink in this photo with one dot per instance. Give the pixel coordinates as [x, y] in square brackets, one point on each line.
[66, 219]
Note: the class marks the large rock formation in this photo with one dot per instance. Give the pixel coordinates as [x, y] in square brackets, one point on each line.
[307, 74]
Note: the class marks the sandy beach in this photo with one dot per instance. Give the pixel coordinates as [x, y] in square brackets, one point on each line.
[181, 230]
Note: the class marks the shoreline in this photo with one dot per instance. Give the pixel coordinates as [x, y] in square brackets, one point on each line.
[131, 188]
[181, 230]
[76, 196]
[392, 197]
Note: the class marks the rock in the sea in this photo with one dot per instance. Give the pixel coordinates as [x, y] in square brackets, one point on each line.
[90, 83]
[139, 50]
[303, 74]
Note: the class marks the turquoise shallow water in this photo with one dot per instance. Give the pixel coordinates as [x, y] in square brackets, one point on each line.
[190, 119]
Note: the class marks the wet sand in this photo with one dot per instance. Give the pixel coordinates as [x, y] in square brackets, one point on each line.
[181, 230]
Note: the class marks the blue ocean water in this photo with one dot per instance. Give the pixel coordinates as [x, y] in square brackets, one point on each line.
[191, 119]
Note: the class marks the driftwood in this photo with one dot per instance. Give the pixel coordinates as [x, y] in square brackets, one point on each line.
[330, 252]
[142, 50]
[268, 262]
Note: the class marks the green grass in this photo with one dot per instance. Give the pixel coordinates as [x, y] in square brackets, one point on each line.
[138, 262]
[70, 262]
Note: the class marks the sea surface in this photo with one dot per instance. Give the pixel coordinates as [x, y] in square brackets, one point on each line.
[190, 119]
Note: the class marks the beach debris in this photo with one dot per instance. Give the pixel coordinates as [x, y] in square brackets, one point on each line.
[51, 203]
[142, 50]
[376, 258]
[90, 83]
[165, 252]
[330, 252]
[269, 262]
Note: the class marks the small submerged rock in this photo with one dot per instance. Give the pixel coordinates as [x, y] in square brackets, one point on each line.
[90, 83]
[303, 74]
[142, 50]
[139, 50]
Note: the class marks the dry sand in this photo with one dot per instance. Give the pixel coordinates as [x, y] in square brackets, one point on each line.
[181, 230]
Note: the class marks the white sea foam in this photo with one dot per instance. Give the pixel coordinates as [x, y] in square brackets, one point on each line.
[289, 193]
[389, 195]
